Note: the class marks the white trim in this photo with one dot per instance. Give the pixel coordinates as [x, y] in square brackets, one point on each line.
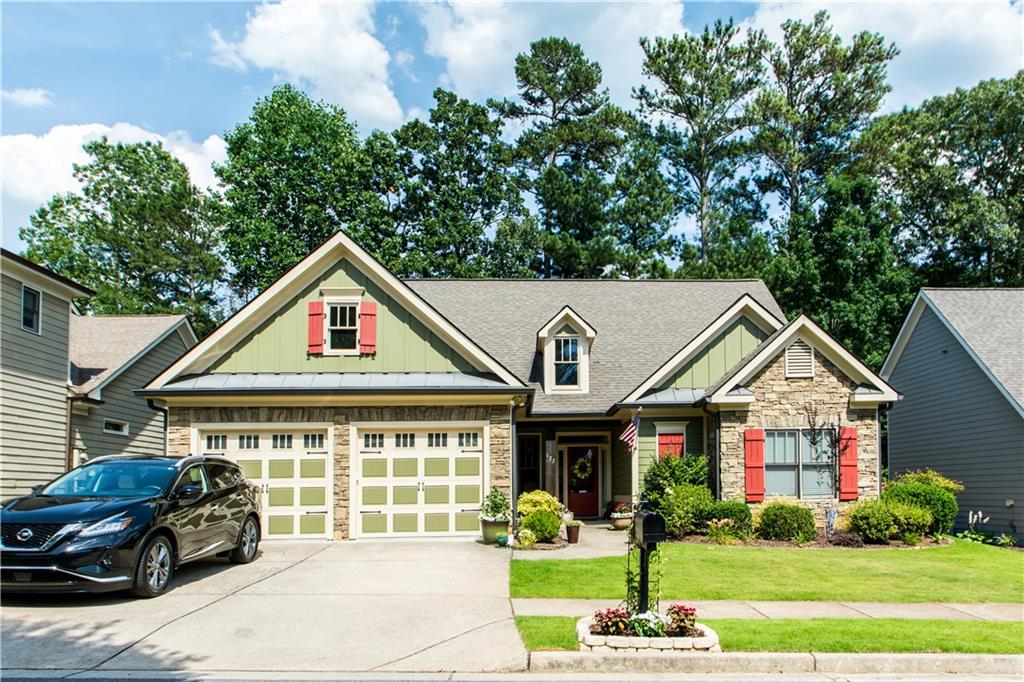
[673, 427]
[907, 330]
[603, 450]
[746, 306]
[39, 312]
[114, 432]
[222, 339]
[573, 318]
[816, 337]
[97, 391]
[41, 281]
[349, 301]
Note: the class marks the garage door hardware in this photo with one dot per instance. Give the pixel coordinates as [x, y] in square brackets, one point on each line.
[316, 512]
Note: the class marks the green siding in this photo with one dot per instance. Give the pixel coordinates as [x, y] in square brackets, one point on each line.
[404, 344]
[622, 469]
[647, 449]
[718, 357]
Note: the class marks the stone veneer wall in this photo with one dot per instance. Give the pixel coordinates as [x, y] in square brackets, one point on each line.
[782, 403]
[182, 419]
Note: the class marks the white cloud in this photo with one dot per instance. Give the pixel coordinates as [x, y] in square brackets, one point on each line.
[329, 45]
[28, 97]
[478, 42]
[38, 166]
[943, 45]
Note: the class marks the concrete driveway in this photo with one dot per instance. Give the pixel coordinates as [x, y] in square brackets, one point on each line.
[348, 606]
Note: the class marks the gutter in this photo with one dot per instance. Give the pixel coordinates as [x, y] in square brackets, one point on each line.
[498, 390]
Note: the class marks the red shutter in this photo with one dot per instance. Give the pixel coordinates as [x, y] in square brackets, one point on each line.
[368, 327]
[848, 463]
[753, 442]
[670, 445]
[315, 328]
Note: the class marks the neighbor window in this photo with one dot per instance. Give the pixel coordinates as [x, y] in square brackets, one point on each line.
[115, 427]
[567, 361]
[797, 462]
[342, 320]
[31, 309]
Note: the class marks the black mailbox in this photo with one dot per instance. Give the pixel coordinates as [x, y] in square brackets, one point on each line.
[648, 528]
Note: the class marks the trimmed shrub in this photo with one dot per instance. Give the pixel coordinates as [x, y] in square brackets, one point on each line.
[537, 500]
[910, 519]
[689, 507]
[666, 473]
[738, 512]
[543, 524]
[930, 477]
[786, 521]
[941, 503]
[873, 520]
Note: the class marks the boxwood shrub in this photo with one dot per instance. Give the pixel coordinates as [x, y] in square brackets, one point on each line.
[786, 521]
[666, 473]
[739, 512]
[873, 520]
[689, 508]
[543, 524]
[941, 503]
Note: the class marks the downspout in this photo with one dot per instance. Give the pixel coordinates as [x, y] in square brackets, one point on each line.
[69, 442]
[157, 408]
[512, 462]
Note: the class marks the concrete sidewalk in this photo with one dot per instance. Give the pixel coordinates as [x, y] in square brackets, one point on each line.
[774, 610]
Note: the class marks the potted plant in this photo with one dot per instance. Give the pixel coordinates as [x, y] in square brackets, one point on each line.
[622, 516]
[572, 531]
[494, 515]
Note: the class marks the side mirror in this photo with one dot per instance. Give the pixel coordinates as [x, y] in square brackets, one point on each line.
[188, 493]
[36, 488]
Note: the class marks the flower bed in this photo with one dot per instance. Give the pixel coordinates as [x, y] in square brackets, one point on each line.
[615, 630]
[706, 643]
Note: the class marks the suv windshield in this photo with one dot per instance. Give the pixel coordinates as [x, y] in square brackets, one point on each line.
[113, 479]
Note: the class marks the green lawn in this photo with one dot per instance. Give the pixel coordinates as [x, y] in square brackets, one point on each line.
[552, 633]
[961, 572]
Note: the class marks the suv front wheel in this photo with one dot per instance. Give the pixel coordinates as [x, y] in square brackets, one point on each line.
[155, 568]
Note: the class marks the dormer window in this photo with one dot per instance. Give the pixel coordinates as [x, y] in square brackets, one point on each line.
[567, 361]
[565, 342]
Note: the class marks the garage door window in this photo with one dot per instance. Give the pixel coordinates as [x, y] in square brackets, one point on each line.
[469, 440]
[248, 441]
[373, 441]
[437, 440]
[405, 440]
[281, 441]
[313, 441]
[216, 442]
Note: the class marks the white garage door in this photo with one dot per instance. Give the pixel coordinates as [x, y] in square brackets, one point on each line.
[417, 482]
[293, 468]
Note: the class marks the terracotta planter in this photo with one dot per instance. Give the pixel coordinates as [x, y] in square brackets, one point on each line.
[572, 534]
[491, 530]
[621, 523]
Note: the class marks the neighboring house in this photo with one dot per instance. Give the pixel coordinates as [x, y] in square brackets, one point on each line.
[111, 356]
[959, 362]
[369, 406]
[36, 311]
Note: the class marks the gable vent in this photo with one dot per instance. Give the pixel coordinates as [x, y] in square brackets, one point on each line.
[799, 360]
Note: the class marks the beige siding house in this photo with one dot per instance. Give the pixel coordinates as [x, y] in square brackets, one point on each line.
[366, 406]
[35, 309]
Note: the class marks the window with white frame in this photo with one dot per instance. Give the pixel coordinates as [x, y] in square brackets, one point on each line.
[248, 441]
[342, 331]
[797, 462]
[313, 441]
[567, 361]
[281, 441]
[405, 440]
[437, 440]
[216, 442]
[374, 441]
[31, 309]
[469, 439]
[115, 427]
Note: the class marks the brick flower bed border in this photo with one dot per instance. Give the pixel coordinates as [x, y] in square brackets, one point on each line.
[619, 644]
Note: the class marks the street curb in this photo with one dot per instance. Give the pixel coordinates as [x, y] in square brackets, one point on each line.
[755, 662]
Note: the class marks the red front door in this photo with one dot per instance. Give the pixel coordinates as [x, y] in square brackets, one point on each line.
[583, 497]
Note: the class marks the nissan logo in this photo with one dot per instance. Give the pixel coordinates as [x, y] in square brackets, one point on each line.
[25, 534]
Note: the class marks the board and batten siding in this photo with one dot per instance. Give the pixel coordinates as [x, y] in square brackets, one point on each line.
[953, 419]
[33, 399]
[718, 357]
[146, 426]
[647, 445]
[404, 344]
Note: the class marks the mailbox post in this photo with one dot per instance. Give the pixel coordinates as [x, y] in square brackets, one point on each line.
[648, 531]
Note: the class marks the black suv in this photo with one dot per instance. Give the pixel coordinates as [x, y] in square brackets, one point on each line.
[126, 522]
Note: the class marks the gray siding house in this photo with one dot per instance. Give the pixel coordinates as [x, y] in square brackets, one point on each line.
[35, 312]
[111, 356]
[959, 362]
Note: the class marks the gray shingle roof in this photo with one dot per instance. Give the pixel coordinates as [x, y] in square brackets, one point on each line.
[991, 321]
[640, 325]
[100, 345]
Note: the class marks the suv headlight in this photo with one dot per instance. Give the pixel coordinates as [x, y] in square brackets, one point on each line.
[114, 524]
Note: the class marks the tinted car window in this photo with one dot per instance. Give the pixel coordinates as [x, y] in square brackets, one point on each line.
[112, 479]
[222, 475]
[193, 476]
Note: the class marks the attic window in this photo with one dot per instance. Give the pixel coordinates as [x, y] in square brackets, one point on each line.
[799, 360]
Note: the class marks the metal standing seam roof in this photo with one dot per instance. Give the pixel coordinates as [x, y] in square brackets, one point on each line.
[640, 325]
[991, 322]
[333, 382]
[99, 345]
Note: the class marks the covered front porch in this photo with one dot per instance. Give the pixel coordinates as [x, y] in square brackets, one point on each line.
[581, 461]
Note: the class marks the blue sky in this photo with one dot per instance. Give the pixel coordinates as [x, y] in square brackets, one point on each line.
[186, 72]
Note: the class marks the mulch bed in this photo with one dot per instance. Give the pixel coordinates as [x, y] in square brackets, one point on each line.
[818, 543]
[557, 543]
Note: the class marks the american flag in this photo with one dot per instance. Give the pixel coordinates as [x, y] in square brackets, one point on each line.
[629, 433]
